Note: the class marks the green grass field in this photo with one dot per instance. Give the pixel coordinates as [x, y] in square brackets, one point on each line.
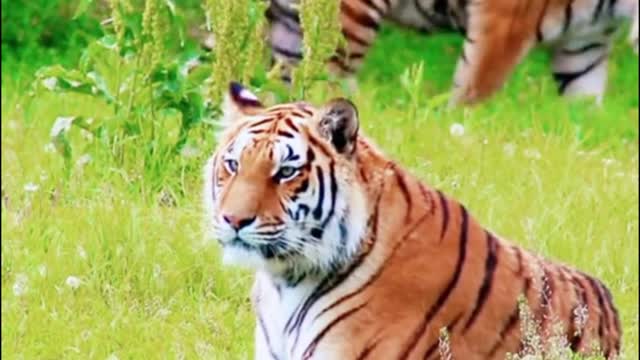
[94, 266]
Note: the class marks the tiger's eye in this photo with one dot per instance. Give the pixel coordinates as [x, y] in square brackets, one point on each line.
[231, 165]
[286, 172]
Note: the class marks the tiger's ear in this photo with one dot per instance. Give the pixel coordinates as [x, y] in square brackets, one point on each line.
[339, 125]
[239, 102]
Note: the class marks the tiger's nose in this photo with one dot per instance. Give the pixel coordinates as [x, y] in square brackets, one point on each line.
[238, 223]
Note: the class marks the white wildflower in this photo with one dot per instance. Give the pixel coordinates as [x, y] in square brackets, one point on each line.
[456, 129]
[73, 282]
[62, 124]
[113, 357]
[87, 135]
[157, 270]
[163, 313]
[31, 187]
[50, 148]
[83, 160]
[81, 252]
[20, 285]
[444, 346]
[42, 270]
[608, 161]
[509, 149]
[50, 83]
[189, 151]
[532, 154]
[74, 83]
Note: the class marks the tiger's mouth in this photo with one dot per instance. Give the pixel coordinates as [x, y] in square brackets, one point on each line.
[277, 249]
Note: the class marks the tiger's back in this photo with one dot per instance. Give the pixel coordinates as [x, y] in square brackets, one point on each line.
[356, 258]
[431, 266]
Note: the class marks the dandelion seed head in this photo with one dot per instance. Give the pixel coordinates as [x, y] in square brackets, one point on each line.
[49, 148]
[73, 282]
[509, 149]
[83, 160]
[31, 187]
[50, 83]
[61, 125]
[456, 129]
[20, 286]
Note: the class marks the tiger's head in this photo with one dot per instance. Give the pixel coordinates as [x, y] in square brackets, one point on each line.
[281, 192]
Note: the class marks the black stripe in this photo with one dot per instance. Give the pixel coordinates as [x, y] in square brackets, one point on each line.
[286, 134]
[290, 124]
[564, 79]
[583, 49]
[485, 288]
[402, 183]
[519, 260]
[333, 280]
[600, 297]
[350, 55]
[441, 6]
[261, 122]
[334, 193]
[341, 64]
[429, 16]
[464, 229]
[616, 317]
[511, 322]
[574, 335]
[355, 37]
[568, 16]
[372, 5]
[308, 353]
[358, 17]
[266, 336]
[295, 54]
[445, 214]
[612, 7]
[292, 14]
[378, 272]
[367, 350]
[276, 17]
[598, 11]
[317, 212]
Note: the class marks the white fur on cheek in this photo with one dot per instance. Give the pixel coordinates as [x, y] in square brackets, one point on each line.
[208, 199]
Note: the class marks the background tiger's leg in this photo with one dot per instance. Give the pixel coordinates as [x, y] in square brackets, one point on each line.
[360, 24]
[285, 36]
[580, 68]
[498, 36]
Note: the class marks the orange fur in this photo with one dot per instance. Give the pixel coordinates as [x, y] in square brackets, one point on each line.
[422, 263]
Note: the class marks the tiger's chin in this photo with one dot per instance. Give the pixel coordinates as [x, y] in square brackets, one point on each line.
[252, 259]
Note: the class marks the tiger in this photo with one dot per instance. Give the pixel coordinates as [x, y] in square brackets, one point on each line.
[497, 36]
[355, 258]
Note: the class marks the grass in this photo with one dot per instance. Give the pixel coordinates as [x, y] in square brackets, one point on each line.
[557, 177]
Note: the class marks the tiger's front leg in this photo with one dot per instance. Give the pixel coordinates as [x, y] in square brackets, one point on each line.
[268, 329]
[495, 43]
